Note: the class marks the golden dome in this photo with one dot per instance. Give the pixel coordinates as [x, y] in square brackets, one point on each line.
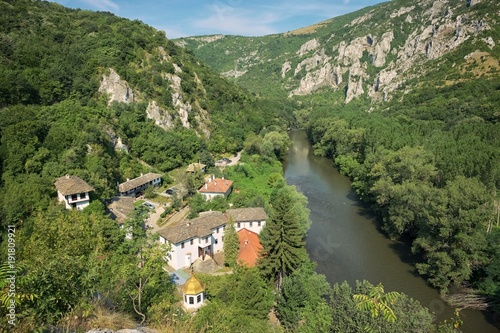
[193, 286]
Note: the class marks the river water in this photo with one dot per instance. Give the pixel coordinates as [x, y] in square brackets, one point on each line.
[345, 242]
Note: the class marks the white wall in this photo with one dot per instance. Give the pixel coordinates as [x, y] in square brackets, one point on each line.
[183, 257]
[252, 226]
[195, 304]
[82, 200]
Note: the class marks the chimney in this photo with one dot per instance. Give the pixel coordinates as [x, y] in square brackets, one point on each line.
[67, 176]
[128, 179]
[206, 186]
[222, 177]
[246, 242]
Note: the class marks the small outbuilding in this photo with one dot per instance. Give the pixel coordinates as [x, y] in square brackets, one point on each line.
[192, 168]
[193, 292]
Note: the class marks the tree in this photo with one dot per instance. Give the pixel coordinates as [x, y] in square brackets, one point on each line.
[282, 238]
[348, 318]
[137, 279]
[378, 303]
[302, 292]
[231, 244]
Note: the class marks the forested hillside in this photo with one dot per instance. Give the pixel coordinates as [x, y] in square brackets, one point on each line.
[106, 99]
[61, 115]
[378, 52]
[405, 98]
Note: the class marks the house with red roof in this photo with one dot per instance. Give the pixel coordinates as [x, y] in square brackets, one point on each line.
[216, 187]
[250, 247]
[196, 238]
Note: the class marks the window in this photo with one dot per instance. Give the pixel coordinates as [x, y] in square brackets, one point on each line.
[191, 300]
[192, 241]
[216, 241]
[258, 224]
[251, 224]
[74, 197]
[182, 245]
[83, 195]
[238, 225]
[198, 298]
[217, 230]
[206, 240]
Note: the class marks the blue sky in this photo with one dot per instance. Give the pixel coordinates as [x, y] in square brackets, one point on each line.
[181, 18]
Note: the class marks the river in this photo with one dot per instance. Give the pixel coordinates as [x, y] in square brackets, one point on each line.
[345, 242]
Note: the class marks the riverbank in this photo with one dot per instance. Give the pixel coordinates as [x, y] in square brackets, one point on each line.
[346, 244]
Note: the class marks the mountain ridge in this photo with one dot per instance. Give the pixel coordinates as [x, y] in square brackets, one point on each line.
[374, 52]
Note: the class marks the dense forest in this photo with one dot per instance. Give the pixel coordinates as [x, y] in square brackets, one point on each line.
[429, 165]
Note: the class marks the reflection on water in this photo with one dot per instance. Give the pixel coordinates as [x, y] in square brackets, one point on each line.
[345, 242]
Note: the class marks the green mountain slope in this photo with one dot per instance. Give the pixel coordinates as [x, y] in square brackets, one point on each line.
[377, 52]
[95, 95]
[405, 98]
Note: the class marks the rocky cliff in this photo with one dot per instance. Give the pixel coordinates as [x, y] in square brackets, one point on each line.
[375, 52]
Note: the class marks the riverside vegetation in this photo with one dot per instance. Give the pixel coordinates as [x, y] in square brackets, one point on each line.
[406, 103]
[76, 270]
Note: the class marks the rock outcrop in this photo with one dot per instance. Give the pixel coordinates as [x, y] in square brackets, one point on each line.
[442, 32]
[117, 89]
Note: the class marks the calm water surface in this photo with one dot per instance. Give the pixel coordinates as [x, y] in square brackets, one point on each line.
[345, 242]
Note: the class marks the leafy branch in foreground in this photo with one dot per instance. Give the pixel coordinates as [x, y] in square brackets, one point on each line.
[378, 303]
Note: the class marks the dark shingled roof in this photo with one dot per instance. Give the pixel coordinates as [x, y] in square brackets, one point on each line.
[121, 207]
[136, 182]
[68, 185]
[198, 227]
[202, 225]
[247, 214]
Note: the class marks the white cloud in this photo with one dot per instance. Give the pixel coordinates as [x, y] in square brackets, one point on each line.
[235, 20]
[102, 4]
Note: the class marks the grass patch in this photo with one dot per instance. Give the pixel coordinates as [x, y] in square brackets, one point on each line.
[138, 203]
[254, 176]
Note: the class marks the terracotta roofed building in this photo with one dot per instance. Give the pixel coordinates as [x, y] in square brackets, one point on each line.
[250, 247]
[216, 187]
[203, 235]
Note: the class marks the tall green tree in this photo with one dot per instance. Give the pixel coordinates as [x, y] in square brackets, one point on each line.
[231, 244]
[283, 238]
[303, 291]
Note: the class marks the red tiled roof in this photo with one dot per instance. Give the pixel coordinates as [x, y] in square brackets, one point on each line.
[218, 185]
[249, 247]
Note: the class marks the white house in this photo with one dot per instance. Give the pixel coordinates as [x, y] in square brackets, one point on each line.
[252, 219]
[133, 186]
[204, 235]
[73, 191]
[216, 187]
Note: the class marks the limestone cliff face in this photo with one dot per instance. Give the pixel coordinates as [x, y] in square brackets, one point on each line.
[442, 32]
[120, 91]
[117, 89]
